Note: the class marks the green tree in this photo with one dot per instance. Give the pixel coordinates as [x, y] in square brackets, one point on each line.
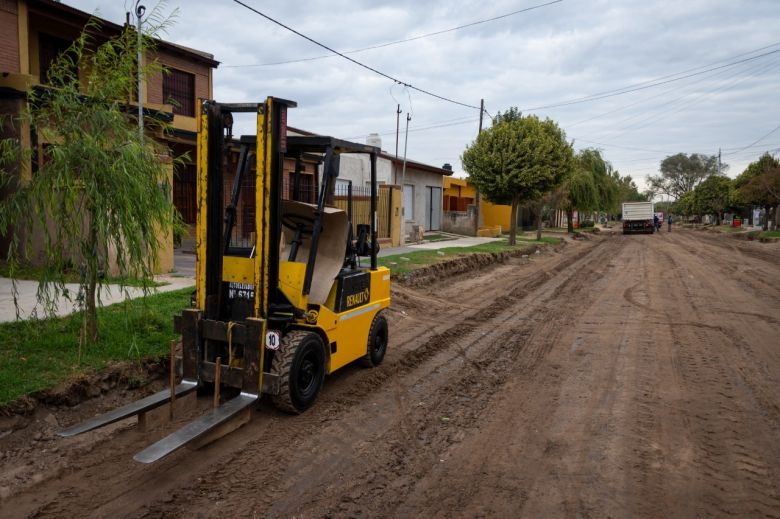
[518, 160]
[577, 192]
[627, 190]
[101, 193]
[759, 185]
[606, 185]
[713, 196]
[681, 173]
[685, 205]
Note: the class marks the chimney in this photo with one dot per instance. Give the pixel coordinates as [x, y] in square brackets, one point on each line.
[374, 139]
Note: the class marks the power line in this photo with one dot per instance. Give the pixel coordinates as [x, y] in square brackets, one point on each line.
[619, 146]
[660, 94]
[756, 141]
[396, 42]
[358, 63]
[680, 103]
[645, 85]
[432, 125]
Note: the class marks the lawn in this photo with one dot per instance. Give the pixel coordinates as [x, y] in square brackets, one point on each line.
[403, 263]
[770, 234]
[36, 355]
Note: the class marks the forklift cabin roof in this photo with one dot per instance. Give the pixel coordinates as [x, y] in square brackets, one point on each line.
[319, 144]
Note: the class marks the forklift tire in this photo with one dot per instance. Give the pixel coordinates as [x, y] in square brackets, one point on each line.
[300, 365]
[377, 342]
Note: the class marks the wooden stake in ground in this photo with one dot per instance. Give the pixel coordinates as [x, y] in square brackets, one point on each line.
[172, 374]
[217, 376]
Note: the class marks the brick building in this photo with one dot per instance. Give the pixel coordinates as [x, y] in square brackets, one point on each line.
[34, 32]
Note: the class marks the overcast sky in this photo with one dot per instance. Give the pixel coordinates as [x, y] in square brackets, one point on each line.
[546, 56]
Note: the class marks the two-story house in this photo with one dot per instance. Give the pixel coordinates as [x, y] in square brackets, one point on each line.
[34, 32]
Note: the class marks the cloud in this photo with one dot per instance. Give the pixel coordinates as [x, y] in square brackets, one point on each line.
[560, 52]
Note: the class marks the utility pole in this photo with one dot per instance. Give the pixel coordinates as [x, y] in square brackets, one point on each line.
[139, 12]
[718, 161]
[403, 185]
[477, 201]
[397, 127]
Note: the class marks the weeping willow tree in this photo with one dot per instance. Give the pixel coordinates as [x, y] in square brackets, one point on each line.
[578, 192]
[100, 193]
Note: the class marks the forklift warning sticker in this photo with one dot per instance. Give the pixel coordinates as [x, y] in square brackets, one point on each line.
[272, 339]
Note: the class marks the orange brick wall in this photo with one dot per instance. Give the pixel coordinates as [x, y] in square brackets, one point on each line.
[9, 36]
[201, 72]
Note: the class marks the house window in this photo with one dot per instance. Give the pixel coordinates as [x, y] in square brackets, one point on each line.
[184, 192]
[49, 48]
[408, 202]
[179, 90]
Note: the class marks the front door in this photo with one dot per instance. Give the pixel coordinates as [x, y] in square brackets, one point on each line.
[433, 208]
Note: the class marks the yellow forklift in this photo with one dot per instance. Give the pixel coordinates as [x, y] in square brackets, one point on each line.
[281, 298]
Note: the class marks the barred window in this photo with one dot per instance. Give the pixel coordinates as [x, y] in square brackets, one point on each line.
[179, 90]
[49, 48]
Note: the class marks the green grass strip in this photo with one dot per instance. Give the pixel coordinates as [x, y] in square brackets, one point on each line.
[400, 264]
[36, 355]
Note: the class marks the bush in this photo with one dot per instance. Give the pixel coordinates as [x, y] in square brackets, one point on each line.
[587, 224]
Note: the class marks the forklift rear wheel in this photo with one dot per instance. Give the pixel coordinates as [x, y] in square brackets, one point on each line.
[377, 342]
[300, 365]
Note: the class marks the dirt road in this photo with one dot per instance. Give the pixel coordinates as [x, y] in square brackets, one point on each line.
[626, 376]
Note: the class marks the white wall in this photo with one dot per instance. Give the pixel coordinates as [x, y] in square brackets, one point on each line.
[357, 168]
[420, 180]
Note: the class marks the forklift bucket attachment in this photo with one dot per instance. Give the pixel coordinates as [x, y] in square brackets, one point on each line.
[131, 409]
[196, 429]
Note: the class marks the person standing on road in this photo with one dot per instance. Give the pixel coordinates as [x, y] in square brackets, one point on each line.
[655, 222]
[670, 223]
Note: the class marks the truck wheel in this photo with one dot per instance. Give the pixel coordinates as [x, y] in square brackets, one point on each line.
[300, 365]
[377, 342]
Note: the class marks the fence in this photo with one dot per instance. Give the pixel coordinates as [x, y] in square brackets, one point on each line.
[361, 207]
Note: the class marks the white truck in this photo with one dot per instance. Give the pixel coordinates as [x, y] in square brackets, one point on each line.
[638, 217]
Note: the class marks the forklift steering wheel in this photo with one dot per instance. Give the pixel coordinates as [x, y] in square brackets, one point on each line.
[296, 222]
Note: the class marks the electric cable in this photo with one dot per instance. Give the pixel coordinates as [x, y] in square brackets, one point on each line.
[642, 101]
[644, 86]
[680, 103]
[756, 141]
[397, 42]
[356, 62]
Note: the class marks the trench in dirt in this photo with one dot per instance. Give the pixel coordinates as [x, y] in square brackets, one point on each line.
[605, 378]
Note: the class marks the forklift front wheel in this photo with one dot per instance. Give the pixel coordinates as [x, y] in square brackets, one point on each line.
[300, 365]
[377, 342]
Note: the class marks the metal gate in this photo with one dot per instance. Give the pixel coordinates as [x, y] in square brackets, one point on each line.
[361, 207]
[432, 208]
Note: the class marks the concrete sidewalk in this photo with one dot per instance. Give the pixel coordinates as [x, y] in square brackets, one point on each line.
[28, 305]
[184, 276]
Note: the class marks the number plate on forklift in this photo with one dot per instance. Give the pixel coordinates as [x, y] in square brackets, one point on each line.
[273, 339]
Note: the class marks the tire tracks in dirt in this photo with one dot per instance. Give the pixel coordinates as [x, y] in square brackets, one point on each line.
[467, 362]
[717, 363]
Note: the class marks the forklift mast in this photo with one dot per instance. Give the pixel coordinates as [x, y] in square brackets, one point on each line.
[254, 267]
[257, 266]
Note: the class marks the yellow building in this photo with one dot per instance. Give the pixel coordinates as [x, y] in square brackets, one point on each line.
[459, 193]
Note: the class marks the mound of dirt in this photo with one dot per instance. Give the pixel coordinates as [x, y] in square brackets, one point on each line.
[123, 375]
[461, 264]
